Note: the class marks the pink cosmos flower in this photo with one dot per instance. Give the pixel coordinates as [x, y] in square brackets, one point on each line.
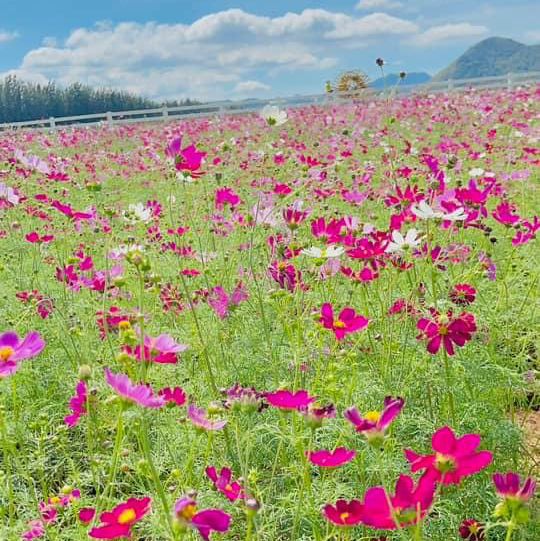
[77, 404]
[174, 395]
[13, 350]
[117, 523]
[508, 487]
[347, 322]
[454, 458]
[226, 196]
[87, 514]
[331, 459]
[285, 274]
[223, 482]
[205, 521]
[199, 417]
[344, 514]
[138, 394]
[162, 349]
[221, 302]
[289, 400]
[36, 529]
[406, 507]
[375, 424]
[447, 330]
[463, 294]
[187, 159]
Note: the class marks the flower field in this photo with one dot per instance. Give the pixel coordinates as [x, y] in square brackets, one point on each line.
[314, 324]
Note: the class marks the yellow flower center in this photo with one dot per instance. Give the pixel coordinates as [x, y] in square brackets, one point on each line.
[228, 488]
[443, 331]
[6, 352]
[188, 512]
[338, 324]
[55, 499]
[344, 516]
[372, 416]
[124, 325]
[127, 516]
[445, 464]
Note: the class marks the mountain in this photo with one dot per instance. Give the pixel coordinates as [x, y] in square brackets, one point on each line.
[388, 81]
[491, 57]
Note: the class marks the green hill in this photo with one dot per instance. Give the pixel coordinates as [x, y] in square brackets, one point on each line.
[491, 57]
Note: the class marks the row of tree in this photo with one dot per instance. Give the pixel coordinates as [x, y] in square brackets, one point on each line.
[22, 100]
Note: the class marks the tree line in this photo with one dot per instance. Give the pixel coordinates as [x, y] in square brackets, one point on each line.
[23, 100]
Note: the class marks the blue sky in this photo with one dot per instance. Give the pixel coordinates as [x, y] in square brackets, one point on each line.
[219, 49]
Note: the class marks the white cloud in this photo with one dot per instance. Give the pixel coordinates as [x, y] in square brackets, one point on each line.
[208, 58]
[251, 87]
[446, 32]
[6, 36]
[378, 4]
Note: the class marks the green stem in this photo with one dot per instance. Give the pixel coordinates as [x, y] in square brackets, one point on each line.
[449, 392]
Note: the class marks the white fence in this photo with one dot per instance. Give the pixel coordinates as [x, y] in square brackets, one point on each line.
[511, 80]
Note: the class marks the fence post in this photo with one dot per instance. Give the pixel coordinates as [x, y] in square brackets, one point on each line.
[450, 85]
[110, 120]
[52, 123]
[164, 112]
[509, 81]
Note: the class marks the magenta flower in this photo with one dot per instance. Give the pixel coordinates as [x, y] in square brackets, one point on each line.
[77, 404]
[508, 487]
[138, 394]
[347, 322]
[289, 400]
[463, 294]
[331, 459]
[344, 514]
[454, 458]
[409, 504]
[36, 529]
[223, 482]
[199, 417]
[186, 160]
[174, 395]
[446, 330]
[117, 523]
[162, 349]
[226, 196]
[375, 424]
[13, 350]
[221, 302]
[205, 521]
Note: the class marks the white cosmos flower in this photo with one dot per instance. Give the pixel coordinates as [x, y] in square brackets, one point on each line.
[400, 244]
[137, 213]
[323, 253]
[273, 115]
[125, 249]
[424, 211]
[476, 172]
[456, 215]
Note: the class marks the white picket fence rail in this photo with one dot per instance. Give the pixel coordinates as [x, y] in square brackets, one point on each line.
[509, 81]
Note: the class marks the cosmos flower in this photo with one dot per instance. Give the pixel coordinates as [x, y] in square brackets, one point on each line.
[117, 523]
[454, 458]
[347, 322]
[137, 394]
[374, 424]
[331, 459]
[176, 395]
[289, 400]
[273, 115]
[77, 404]
[402, 244]
[200, 419]
[136, 213]
[446, 330]
[324, 253]
[409, 504]
[344, 513]
[187, 161]
[205, 521]
[13, 350]
[508, 487]
[223, 482]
